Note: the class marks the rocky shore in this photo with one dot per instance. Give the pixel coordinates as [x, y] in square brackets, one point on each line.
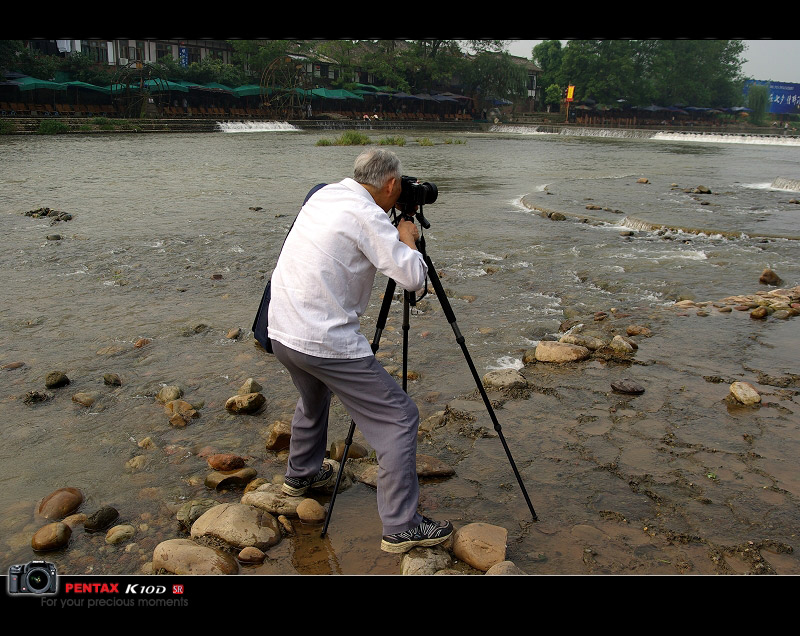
[245, 515]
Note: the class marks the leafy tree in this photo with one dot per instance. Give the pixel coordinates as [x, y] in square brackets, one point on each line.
[602, 70]
[552, 96]
[495, 75]
[758, 102]
[548, 56]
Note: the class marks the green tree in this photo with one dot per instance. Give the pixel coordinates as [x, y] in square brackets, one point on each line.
[548, 56]
[703, 73]
[552, 96]
[602, 70]
[758, 102]
[495, 75]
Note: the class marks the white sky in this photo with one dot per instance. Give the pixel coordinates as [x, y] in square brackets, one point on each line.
[776, 60]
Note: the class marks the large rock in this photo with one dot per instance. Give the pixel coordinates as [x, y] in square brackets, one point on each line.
[182, 556]
[239, 526]
[60, 503]
[583, 340]
[548, 351]
[480, 545]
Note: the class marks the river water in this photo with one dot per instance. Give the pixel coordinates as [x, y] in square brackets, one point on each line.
[173, 236]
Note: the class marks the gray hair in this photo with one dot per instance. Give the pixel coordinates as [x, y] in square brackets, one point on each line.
[376, 166]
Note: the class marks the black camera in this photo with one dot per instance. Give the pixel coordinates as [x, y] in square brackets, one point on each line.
[415, 192]
[36, 577]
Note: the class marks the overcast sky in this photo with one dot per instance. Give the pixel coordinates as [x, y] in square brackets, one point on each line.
[776, 60]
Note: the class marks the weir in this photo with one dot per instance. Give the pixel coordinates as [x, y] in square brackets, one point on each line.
[659, 135]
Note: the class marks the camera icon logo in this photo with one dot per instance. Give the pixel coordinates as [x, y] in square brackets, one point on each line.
[35, 577]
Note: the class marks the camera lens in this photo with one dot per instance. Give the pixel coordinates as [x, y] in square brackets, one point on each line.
[38, 580]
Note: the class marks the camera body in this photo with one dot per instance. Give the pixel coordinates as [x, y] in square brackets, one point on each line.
[36, 577]
[413, 192]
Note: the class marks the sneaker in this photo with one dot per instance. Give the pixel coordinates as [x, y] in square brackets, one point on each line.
[427, 533]
[296, 486]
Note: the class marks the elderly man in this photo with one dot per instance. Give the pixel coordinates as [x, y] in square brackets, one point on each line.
[320, 287]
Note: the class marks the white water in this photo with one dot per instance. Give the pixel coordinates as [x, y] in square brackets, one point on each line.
[255, 126]
[729, 138]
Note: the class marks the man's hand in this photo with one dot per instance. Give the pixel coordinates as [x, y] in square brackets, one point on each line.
[409, 234]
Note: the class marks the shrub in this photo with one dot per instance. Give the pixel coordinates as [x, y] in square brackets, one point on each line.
[52, 127]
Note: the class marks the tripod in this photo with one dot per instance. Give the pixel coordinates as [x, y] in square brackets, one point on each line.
[409, 299]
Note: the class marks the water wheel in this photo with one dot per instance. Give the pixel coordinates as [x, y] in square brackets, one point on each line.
[140, 90]
[286, 87]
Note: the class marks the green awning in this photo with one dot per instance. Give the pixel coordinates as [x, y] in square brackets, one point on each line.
[86, 85]
[31, 84]
[335, 93]
[159, 85]
[247, 90]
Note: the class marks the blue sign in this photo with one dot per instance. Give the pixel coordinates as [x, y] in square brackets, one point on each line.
[183, 55]
[784, 98]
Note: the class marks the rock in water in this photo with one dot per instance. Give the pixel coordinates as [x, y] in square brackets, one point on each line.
[55, 380]
[547, 351]
[101, 519]
[627, 386]
[51, 537]
[247, 404]
[60, 503]
[745, 393]
[239, 526]
[768, 277]
[182, 556]
[480, 545]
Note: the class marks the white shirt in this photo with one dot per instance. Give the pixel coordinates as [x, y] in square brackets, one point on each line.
[324, 276]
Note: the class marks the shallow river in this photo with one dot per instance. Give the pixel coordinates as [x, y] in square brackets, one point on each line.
[173, 235]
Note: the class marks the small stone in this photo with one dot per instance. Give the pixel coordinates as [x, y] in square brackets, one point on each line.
[120, 534]
[51, 537]
[506, 568]
[504, 379]
[141, 342]
[55, 380]
[251, 554]
[85, 398]
[627, 386]
[311, 511]
[245, 404]
[169, 393]
[279, 435]
[112, 379]
[225, 461]
[759, 313]
[745, 393]
[234, 334]
[249, 386]
[101, 519]
[230, 478]
[769, 277]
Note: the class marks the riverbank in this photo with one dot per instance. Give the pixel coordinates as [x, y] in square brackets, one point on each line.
[143, 266]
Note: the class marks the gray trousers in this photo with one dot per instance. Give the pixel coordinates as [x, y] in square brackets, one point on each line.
[380, 408]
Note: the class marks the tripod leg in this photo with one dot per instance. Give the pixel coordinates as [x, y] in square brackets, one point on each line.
[451, 318]
[376, 339]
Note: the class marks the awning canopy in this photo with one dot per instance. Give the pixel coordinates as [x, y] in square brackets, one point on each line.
[31, 84]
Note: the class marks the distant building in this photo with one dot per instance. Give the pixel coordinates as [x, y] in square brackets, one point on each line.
[784, 97]
[122, 52]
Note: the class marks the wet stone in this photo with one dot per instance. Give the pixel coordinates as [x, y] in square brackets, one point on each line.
[101, 519]
[55, 380]
[627, 386]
